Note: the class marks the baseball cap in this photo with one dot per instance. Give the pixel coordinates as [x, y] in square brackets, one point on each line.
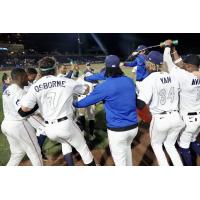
[141, 47]
[192, 59]
[112, 61]
[155, 57]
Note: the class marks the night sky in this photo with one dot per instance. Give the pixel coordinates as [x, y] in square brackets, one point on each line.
[121, 44]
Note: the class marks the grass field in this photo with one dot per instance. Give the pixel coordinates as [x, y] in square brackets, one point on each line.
[53, 148]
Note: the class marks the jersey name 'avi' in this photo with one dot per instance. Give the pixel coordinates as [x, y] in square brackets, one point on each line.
[196, 81]
[50, 84]
[166, 80]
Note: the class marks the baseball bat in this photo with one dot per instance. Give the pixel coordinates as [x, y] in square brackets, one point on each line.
[175, 43]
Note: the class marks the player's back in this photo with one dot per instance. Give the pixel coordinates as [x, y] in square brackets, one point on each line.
[120, 101]
[189, 90]
[54, 96]
[11, 97]
[162, 91]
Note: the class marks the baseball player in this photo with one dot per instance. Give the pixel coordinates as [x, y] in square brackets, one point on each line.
[118, 94]
[6, 81]
[36, 121]
[32, 74]
[161, 92]
[63, 70]
[138, 63]
[20, 134]
[189, 99]
[54, 95]
[66, 147]
[88, 111]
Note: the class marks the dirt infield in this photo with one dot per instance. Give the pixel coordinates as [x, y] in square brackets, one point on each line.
[141, 151]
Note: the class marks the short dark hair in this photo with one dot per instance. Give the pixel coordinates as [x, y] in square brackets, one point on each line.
[63, 64]
[113, 72]
[31, 70]
[47, 66]
[4, 77]
[16, 72]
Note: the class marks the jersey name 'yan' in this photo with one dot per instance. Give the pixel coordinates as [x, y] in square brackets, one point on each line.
[160, 91]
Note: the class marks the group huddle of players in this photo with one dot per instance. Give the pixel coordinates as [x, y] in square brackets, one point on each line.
[54, 102]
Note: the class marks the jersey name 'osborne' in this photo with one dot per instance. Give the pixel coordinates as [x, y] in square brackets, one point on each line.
[166, 80]
[50, 84]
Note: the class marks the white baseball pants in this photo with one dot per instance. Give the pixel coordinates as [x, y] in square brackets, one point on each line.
[165, 129]
[22, 140]
[67, 132]
[120, 146]
[191, 130]
[37, 123]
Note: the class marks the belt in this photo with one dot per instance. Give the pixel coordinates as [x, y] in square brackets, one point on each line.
[56, 120]
[194, 113]
[167, 112]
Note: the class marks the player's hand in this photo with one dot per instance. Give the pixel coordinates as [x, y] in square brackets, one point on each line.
[135, 53]
[121, 64]
[72, 67]
[76, 68]
[87, 89]
[167, 43]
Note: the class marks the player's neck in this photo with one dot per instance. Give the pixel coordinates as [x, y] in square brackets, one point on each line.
[18, 85]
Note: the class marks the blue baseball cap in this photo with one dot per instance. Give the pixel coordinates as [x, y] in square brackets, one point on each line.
[112, 61]
[155, 57]
[141, 47]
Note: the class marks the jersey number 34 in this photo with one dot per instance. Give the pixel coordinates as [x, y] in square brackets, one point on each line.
[164, 96]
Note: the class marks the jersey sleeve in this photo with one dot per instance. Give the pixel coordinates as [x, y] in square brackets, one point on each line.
[131, 64]
[96, 77]
[29, 100]
[177, 72]
[78, 87]
[168, 59]
[98, 94]
[17, 101]
[146, 90]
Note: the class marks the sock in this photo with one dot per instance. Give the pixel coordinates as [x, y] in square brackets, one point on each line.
[41, 140]
[91, 127]
[195, 147]
[81, 122]
[69, 159]
[92, 163]
[186, 156]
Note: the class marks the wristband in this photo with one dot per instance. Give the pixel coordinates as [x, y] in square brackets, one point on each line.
[173, 52]
[178, 60]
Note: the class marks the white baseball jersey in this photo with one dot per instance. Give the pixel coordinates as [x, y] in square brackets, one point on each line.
[160, 91]
[189, 86]
[61, 75]
[26, 88]
[54, 96]
[11, 102]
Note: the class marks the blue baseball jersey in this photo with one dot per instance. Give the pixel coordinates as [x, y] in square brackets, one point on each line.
[4, 86]
[119, 97]
[139, 62]
[96, 77]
